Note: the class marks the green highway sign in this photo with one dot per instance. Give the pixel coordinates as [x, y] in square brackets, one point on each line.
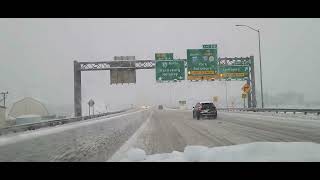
[164, 56]
[234, 71]
[209, 46]
[169, 70]
[202, 63]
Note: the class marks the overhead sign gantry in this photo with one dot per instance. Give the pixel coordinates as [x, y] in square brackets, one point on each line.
[201, 64]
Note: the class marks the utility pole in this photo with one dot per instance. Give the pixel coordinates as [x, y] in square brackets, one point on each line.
[4, 98]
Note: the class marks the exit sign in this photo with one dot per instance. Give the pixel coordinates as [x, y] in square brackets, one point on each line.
[209, 46]
[164, 56]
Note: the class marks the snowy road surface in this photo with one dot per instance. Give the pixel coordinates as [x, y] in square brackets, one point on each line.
[154, 131]
[173, 130]
[91, 140]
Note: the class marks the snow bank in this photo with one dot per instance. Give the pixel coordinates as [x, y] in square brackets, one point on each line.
[136, 154]
[29, 116]
[298, 115]
[257, 151]
[193, 153]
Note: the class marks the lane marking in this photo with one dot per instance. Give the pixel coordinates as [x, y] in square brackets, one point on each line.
[171, 109]
[120, 153]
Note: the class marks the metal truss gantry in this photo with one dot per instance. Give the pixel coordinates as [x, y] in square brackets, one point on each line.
[150, 64]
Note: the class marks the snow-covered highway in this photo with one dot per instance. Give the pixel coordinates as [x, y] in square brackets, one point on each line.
[154, 131]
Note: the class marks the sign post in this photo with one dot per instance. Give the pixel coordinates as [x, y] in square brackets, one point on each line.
[120, 76]
[91, 104]
[246, 88]
[164, 56]
[244, 96]
[202, 64]
[209, 46]
[170, 70]
[234, 72]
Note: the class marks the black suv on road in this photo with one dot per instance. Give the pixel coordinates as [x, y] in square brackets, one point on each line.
[205, 109]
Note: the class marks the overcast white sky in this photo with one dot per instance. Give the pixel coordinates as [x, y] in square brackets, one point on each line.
[36, 56]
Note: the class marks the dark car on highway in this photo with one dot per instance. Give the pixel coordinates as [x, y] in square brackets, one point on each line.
[204, 109]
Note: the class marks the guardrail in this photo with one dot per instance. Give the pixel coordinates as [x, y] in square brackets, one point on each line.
[277, 110]
[53, 122]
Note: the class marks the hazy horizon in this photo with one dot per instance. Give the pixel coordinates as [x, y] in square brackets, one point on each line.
[37, 55]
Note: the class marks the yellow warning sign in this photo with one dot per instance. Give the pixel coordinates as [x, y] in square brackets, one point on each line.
[234, 75]
[200, 78]
[246, 88]
[201, 72]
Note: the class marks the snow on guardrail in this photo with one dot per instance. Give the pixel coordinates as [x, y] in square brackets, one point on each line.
[53, 122]
[305, 111]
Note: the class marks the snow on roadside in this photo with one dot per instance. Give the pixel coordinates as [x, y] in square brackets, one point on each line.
[298, 115]
[21, 136]
[257, 151]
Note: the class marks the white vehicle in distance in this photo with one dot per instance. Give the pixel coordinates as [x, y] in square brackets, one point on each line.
[145, 107]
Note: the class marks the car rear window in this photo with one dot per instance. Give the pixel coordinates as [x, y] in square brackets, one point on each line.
[207, 106]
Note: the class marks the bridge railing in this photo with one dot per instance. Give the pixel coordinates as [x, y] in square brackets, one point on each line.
[277, 110]
[52, 122]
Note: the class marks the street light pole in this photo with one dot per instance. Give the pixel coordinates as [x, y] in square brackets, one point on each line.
[262, 104]
[257, 30]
